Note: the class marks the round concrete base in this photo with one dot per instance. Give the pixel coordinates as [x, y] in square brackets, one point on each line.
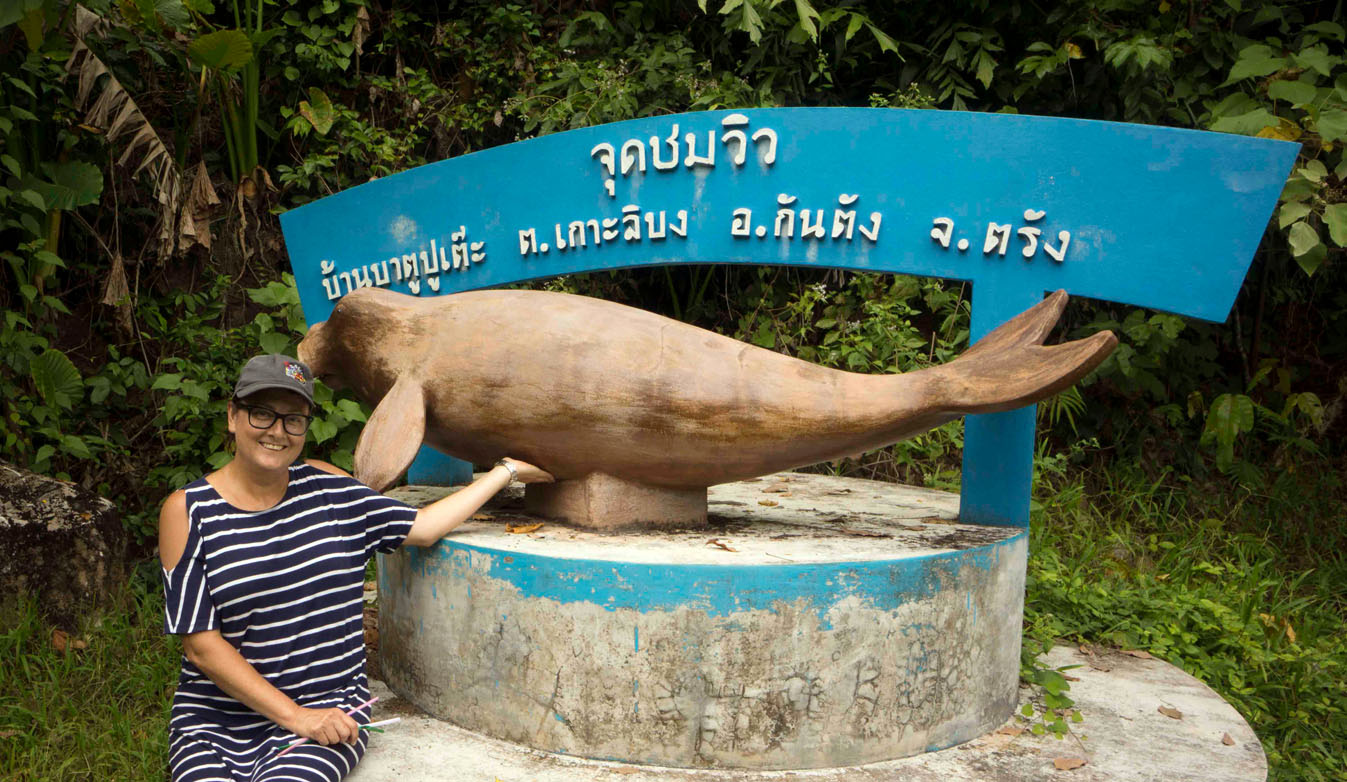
[816, 622]
[1124, 738]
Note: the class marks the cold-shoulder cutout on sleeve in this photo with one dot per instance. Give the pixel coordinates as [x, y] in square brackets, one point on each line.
[173, 529]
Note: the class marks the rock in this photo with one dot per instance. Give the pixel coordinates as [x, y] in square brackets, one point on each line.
[60, 543]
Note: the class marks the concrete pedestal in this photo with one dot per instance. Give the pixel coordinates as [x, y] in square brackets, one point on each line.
[814, 622]
[1124, 738]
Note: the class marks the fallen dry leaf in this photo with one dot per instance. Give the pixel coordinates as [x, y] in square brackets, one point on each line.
[768, 503]
[370, 586]
[521, 529]
[1227, 740]
[4, 734]
[1170, 712]
[776, 488]
[626, 770]
[838, 491]
[719, 543]
[1066, 764]
[62, 642]
[1010, 730]
[1137, 653]
[483, 517]
[1070, 678]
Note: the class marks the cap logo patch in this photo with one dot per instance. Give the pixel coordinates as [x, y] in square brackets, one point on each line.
[295, 372]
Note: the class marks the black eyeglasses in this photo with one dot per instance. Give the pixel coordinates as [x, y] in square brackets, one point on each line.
[263, 417]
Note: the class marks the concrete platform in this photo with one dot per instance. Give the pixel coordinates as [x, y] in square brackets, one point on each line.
[814, 622]
[1124, 738]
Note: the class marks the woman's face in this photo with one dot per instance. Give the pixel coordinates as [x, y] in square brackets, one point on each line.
[272, 448]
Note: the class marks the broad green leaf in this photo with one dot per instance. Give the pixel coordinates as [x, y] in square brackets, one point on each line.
[807, 15]
[11, 11]
[1285, 130]
[853, 26]
[69, 185]
[222, 50]
[1291, 212]
[1318, 58]
[34, 198]
[1335, 217]
[1297, 93]
[1330, 29]
[318, 111]
[56, 379]
[76, 447]
[10, 163]
[1254, 67]
[1332, 125]
[274, 342]
[173, 12]
[1230, 414]
[1313, 259]
[170, 382]
[261, 39]
[322, 430]
[1302, 238]
[1313, 170]
[1246, 124]
[33, 24]
[351, 409]
[885, 42]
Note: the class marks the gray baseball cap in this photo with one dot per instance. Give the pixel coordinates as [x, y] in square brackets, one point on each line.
[275, 371]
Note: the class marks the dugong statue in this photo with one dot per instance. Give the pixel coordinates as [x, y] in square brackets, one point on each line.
[634, 413]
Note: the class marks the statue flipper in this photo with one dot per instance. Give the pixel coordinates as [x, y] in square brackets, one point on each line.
[392, 435]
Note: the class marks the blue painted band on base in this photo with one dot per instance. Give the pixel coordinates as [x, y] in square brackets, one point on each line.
[717, 590]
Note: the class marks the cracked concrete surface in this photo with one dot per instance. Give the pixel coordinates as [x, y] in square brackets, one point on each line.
[1124, 738]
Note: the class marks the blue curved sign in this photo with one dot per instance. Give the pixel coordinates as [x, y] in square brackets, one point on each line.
[1017, 205]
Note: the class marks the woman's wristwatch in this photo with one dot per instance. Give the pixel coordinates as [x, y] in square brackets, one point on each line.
[514, 474]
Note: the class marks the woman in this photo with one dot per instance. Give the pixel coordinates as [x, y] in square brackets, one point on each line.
[263, 565]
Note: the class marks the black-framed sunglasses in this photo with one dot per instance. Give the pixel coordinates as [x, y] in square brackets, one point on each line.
[263, 417]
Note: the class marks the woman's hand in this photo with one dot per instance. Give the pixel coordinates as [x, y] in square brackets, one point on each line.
[527, 473]
[325, 726]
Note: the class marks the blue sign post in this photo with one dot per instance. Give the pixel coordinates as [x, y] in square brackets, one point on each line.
[1154, 217]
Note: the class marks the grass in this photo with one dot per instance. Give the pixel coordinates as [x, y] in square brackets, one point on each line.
[1244, 590]
[96, 713]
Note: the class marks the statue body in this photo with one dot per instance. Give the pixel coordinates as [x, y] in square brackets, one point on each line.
[617, 402]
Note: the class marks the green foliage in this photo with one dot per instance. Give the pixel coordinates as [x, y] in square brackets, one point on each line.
[873, 324]
[127, 397]
[1294, 87]
[1195, 575]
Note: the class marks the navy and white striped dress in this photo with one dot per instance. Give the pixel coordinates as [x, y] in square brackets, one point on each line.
[285, 587]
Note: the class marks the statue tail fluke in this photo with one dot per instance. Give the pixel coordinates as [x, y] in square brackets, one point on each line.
[1011, 367]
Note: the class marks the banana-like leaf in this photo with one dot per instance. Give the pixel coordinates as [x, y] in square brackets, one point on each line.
[223, 50]
[56, 379]
[116, 112]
